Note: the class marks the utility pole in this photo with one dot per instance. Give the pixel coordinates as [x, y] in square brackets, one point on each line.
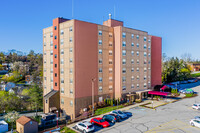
[93, 96]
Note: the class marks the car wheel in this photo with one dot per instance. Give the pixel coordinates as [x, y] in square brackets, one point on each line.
[192, 124]
[84, 131]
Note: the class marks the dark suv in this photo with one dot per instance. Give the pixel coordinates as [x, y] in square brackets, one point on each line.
[116, 116]
[109, 118]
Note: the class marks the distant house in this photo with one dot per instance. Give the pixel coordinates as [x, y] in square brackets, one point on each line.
[28, 79]
[26, 125]
[3, 126]
[195, 67]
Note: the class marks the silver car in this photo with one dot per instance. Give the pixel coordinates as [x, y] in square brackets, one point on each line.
[84, 126]
[121, 114]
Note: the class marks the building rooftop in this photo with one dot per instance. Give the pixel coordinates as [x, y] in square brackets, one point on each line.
[3, 123]
[23, 120]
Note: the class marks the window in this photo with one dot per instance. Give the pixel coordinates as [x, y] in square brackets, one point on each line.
[132, 86]
[55, 74]
[45, 70]
[110, 70]
[100, 42]
[137, 53]
[132, 61]
[145, 54]
[138, 69]
[132, 44]
[110, 52]
[100, 88]
[44, 43]
[100, 79]
[132, 78]
[123, 79]
[132, 69]
[137, 45]
[70, 29]
[138, 61]
[45, 61]
[51, 79]
[138, 77]
[70, 39]
[132, 35]
[110, 61]
[149, 62]
[100, 61]
[62, 51]
[123, 44]
[55, 55]
[55, 46]
[70, 60]
[132, 53]
[70, 71]
[62, 90]
[145, 77]
[149, 41]
[110, 79]
[55, 27]
[62, 101]
[110, 34]
[123, 35]
[110, 44]
[62, 71]
[61, 42]
[145, 38]
[51, 53]
[149, 47]
[51, 87]
[123, 61]
[145, 69]
[100, 70]
[71, 91]
[61, 32]
[71, 103]
[46, 101]
[124, 88]
[62, 61]
[51, 43]
[70, 50]
[56, 84]
[55, 65]
[138, 85]
[110, 87]
[62, 80]
[44, 36]
[124, 52]
[100, 51]
[145, 46]
[149, 55]
[124, 70]
[137, 37]
[100, 33]
[145, 85]
[55, 37]
[45, 53]
[71, 81]
[51, 34]
[51, 62]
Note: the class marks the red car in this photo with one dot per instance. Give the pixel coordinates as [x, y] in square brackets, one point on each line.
[99, 121]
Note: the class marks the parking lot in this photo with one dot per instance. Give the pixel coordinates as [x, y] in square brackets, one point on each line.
[173, 117]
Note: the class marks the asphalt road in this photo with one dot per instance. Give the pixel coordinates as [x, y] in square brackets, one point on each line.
[173, 117]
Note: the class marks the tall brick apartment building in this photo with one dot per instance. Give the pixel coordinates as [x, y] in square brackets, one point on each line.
[115, 59]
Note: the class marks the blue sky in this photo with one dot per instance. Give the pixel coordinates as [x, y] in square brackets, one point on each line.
[176, 21]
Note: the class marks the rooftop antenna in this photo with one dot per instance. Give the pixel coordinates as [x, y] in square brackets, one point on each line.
[72, 9]
[110, 16]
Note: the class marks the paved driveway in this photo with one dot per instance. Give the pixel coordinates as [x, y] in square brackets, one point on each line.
[173, 117]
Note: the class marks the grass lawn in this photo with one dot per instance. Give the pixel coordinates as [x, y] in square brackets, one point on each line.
[107, 109]
[66, 130]
[195, 75]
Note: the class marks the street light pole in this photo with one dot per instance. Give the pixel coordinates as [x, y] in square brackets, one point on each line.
[93, 96]
[57, 118]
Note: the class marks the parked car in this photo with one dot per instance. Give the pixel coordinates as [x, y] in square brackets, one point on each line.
[184, 82]
[128, 113]
[197, 117]
[99, 121]
[192, 80]
[120, 113]
[109, 118]
[196, 106]
[84, 126]
[195, 122]
[116, 116]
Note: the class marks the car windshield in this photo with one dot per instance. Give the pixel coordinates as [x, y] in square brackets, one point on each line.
[120, 112]
[102, 120]
[90, 126]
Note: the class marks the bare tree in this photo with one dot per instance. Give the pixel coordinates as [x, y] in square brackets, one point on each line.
[187, 57]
